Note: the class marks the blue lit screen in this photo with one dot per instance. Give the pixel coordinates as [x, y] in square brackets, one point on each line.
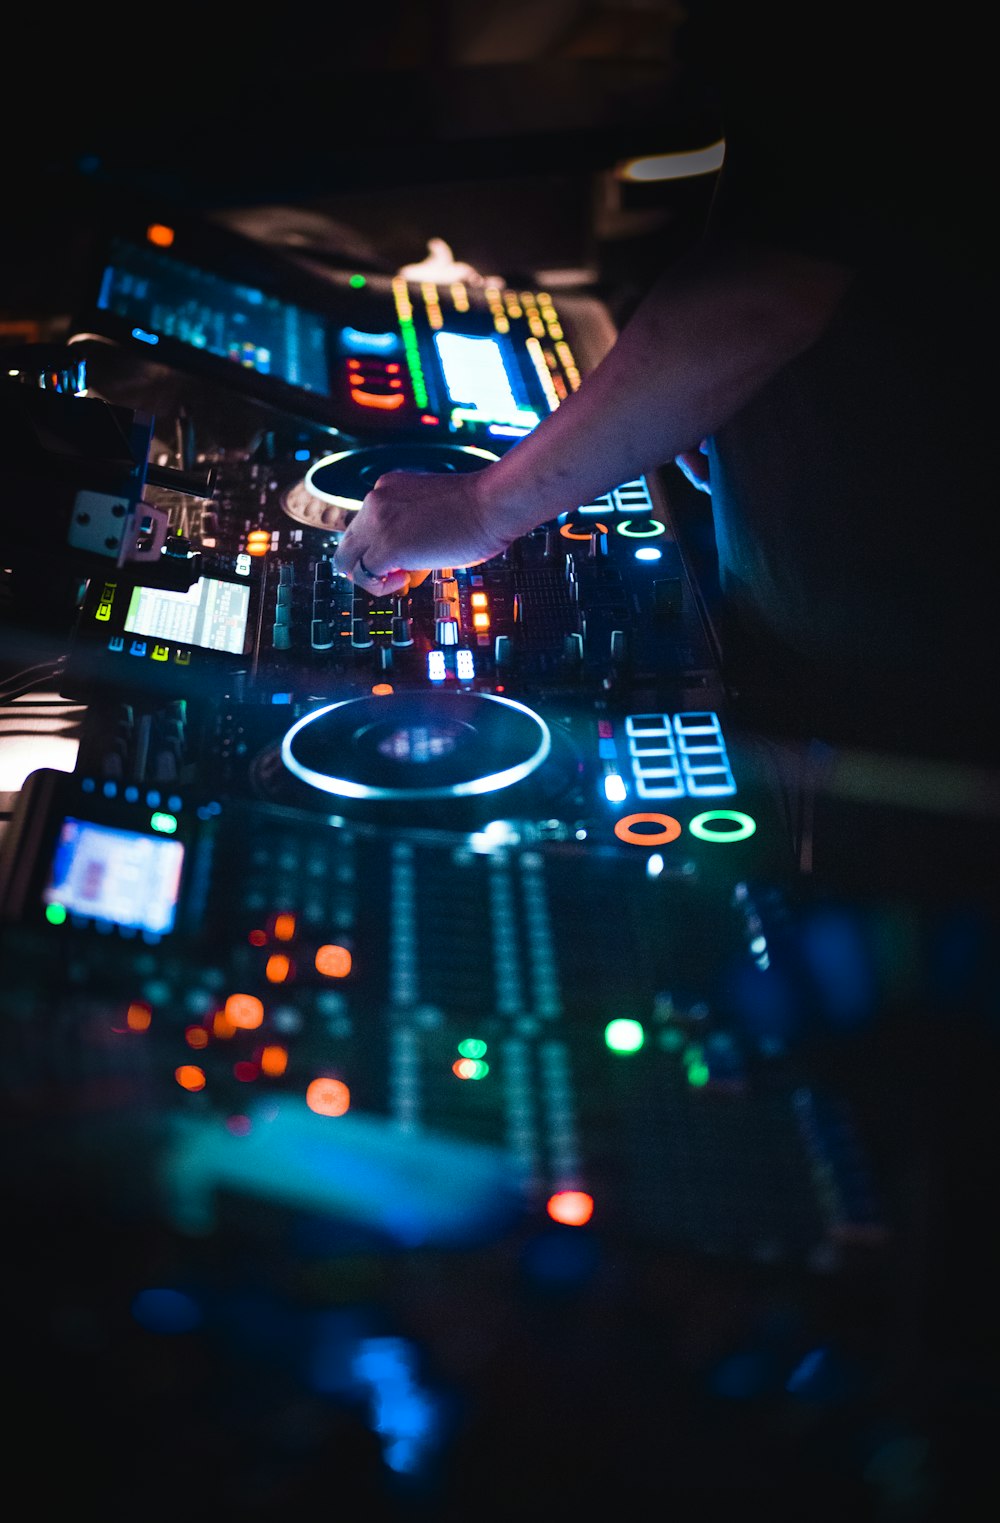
[167, 298]
[120, 876]
[478, 382]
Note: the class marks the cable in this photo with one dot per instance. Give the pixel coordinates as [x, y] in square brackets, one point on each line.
[46, 671]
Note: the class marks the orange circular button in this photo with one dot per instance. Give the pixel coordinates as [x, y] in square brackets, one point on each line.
[625, 829]
[568, 533]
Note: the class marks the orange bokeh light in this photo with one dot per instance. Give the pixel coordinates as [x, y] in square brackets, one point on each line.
[273, 1061]
[284, 927]
[196, 1036]
[328, 1097]
[333, 961]
[570, 1207]
[278, 969]
[245, 1011]
[159, 234]
[138, 1017]
[190, 1076]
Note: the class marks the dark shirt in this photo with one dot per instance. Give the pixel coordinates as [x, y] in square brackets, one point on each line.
[853, 498]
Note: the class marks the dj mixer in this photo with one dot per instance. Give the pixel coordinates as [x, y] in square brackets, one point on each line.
[421, 1087]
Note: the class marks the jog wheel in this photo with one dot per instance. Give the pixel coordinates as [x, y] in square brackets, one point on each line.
[422, 758]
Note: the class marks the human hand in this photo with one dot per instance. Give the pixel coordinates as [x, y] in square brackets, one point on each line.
[694, 465]
[412, 520]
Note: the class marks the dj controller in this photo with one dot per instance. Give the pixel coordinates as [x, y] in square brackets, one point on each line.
[423, 1082]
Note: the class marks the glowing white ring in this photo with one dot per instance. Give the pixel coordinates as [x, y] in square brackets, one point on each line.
[352, 504]
[344, 788]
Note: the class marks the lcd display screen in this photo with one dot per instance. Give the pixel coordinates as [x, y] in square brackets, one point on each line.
[212, 614]
[163, 297]
[119, 876]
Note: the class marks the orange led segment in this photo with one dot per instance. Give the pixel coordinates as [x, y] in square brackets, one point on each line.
[480, 621]
[328, 1097]
[376, 399]
[245, 1011]
[258, 541]
[333, 961]
[190, 1076]
[478, 600]
[570, 1207]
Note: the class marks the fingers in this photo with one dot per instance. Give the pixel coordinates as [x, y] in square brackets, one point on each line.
[379, 583]
[694, 466]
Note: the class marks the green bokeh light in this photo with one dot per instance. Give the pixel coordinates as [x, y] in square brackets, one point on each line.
[55, 914]
[624, 1035]
[357, 281]
[472, 1047]
[166, 824]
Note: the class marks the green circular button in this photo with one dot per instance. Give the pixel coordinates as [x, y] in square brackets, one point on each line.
[652, 529]
[703, 825]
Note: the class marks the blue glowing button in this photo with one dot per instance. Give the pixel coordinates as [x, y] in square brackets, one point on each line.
[710, 783]
[647, 724]
[648, 553]
[697, 723]
[598, 506]
[633, 497]
[357, 342]
[653, 745]
[667, 786]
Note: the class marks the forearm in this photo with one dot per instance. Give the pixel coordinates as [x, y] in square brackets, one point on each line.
[707, 337]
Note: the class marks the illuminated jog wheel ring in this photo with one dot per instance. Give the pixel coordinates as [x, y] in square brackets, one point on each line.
[344, 480]
[404, 747]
